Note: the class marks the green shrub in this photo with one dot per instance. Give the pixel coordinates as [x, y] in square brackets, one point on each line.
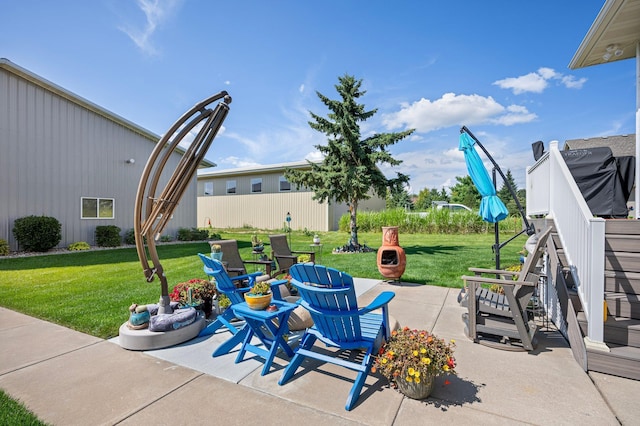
[107, 236]
[166, 238]
[214, 235]
[37, 233]
[193, 234]
[79, 246]
[130, 237]
[432, 221]
[4, 247]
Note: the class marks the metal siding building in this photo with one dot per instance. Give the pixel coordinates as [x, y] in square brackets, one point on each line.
[57, 148]
[268, 208]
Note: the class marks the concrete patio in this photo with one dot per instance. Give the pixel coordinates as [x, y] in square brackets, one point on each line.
[66, 377]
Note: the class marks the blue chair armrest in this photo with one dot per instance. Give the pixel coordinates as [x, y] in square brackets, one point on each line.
[381, 300]
[250, 277]
[275, 288]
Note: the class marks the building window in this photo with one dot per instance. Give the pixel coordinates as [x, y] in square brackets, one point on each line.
[97, 208]
[231, 187]
[284, 184]
[208, 188]
[256, 185]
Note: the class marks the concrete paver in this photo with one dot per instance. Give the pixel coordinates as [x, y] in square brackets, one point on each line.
[67, 378]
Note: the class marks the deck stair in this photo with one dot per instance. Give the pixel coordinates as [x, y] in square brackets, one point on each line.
[622, 293]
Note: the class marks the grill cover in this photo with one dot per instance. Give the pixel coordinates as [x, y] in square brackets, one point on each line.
[603, 184]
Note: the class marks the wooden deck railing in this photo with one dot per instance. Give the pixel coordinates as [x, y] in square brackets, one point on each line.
[552, 191]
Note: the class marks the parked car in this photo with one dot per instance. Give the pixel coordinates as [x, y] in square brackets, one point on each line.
[453, 207]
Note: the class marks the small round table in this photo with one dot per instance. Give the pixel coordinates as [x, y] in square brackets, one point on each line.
[317, 252]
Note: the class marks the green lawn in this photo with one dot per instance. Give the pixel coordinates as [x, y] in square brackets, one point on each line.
[91, 291]
[13, 412]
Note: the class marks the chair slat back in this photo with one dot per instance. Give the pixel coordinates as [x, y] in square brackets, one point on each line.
[322, 275]
[223, 281]
[330, 297]
[528, 271]
[231, 254]
[279, 244]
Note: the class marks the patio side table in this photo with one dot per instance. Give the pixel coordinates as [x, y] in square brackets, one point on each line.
[255, 321]
[317, 251]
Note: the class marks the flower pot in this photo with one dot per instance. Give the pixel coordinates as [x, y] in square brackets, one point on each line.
[216, 256]
[415, 390]
[257, 303]
[207, 308]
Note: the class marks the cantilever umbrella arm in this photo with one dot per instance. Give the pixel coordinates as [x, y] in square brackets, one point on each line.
[529, 228]
[154, 208]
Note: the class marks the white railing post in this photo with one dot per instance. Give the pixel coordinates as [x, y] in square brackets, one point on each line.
[556, 194]
[594, 270]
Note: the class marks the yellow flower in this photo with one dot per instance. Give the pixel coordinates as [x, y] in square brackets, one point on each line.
[409, 379]
[415, 353]
[417, 380]
[383, 360]
[426, 360]
[411, 371]
[423, 350]
[417, 374]
[453, 341]
[445, 368]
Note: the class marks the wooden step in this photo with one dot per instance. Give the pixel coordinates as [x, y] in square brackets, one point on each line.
[623, 361]
[622, 282]
[622, 261]
[622, 226]
[622, 243]
[623, 305]
[617, 331]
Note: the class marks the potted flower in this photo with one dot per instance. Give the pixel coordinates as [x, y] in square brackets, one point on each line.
[222, 303]
[412, 359]
[316, 239]
[196, 292]
[256, 244]
[259, 297]
[216, 252]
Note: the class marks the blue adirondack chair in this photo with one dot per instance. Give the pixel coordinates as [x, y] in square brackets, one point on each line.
[225, 284]
[330, 297]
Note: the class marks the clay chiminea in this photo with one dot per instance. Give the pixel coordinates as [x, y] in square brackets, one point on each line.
[392, 260]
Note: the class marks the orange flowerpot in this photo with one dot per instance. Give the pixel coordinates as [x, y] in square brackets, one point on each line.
[257, 303]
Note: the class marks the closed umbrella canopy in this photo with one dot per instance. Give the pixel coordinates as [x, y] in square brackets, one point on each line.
[492, 209]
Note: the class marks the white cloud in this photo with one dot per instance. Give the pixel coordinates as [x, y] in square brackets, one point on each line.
[451, 110]
[314, 156]
[156, 13]
[515, 114]
[538, 81]
[571, 83]
[235, 162]
[532, 82]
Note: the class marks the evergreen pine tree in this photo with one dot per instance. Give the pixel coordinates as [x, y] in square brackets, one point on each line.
[349, 171]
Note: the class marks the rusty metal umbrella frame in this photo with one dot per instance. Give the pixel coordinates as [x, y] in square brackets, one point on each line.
[152, 212]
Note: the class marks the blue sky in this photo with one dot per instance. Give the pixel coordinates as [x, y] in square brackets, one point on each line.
[498, 67]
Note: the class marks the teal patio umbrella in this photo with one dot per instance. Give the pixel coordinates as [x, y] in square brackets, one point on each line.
[492, 209]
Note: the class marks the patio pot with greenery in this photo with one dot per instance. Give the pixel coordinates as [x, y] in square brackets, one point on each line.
[259, 297]
[412, 359]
